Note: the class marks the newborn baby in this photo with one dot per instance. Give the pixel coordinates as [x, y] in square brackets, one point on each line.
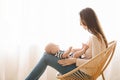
[54, 49]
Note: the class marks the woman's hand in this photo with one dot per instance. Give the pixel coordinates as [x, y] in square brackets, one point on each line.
[68, 61]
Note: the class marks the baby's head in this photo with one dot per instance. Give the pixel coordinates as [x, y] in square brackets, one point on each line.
[52, 48]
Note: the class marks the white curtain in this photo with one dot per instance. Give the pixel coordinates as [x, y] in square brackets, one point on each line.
[26, 26]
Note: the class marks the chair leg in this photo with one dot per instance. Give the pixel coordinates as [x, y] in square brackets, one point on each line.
[103, 76]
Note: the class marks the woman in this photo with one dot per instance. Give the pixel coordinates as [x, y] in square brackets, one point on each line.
[96, 43]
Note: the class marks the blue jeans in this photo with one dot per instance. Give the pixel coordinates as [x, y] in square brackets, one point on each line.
[51, 60]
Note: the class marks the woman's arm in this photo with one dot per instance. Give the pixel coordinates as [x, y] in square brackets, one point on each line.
[68, 61]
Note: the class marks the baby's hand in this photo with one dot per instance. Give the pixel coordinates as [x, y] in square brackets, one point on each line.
[70, 48]
[66, 53]
[73, 50]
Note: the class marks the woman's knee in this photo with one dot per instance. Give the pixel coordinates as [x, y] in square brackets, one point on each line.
[49, 57]
[46, 56]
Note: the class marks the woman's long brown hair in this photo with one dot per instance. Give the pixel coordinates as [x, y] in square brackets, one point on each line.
[89, 19]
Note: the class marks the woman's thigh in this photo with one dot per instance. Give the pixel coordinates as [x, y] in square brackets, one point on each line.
[52, 61]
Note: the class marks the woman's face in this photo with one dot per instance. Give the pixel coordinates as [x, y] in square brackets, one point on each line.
[84, 26]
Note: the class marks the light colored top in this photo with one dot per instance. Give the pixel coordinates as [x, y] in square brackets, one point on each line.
[95, 47]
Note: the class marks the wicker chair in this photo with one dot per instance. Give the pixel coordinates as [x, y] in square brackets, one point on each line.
[94, 67]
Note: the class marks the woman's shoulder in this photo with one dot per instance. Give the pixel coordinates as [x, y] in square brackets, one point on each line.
[92, 38]
[97, 43]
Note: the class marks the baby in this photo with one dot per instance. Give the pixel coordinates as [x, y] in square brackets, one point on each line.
[54, 49]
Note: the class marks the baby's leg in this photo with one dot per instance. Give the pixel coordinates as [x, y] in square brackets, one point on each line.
[79, 53]
[85, 46]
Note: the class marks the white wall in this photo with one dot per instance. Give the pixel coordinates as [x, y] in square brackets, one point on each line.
[31, 24]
